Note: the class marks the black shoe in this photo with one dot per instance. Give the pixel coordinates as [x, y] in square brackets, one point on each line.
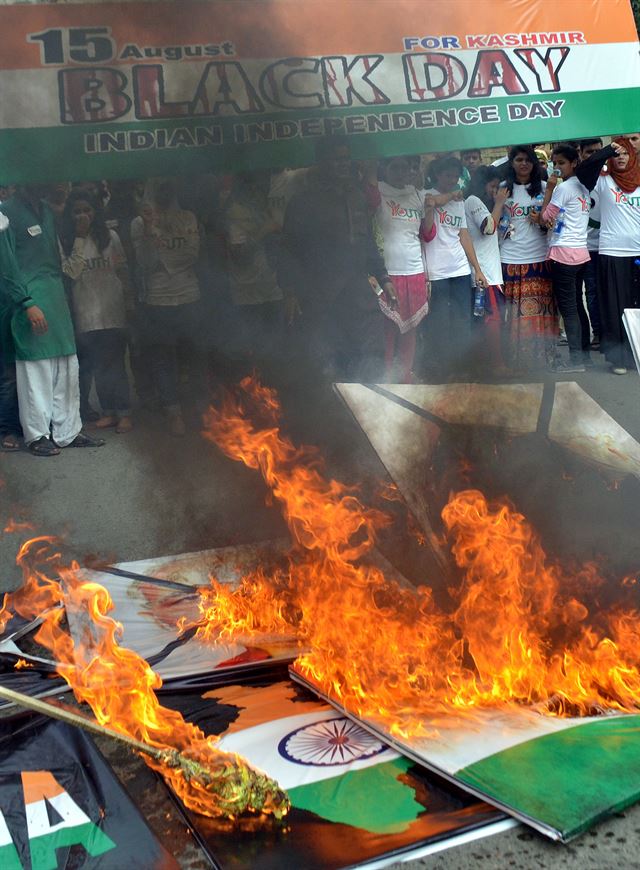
[82, 440]
[44, 447]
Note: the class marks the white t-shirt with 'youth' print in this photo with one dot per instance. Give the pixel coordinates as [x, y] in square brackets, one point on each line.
[444, 254]
[528, 243]
[485, 246]
[619, 219]
[399, 216]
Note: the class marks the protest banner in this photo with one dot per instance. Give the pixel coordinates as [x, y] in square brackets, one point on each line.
[126, 89]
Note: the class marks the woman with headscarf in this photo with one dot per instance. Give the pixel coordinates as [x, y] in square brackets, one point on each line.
[166, 241]
[618, 275]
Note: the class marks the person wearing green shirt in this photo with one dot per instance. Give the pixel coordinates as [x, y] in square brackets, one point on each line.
[39, 326]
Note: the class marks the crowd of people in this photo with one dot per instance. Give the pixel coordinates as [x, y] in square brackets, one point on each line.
[406, 269]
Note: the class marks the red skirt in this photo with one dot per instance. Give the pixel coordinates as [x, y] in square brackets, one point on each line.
[413, 301]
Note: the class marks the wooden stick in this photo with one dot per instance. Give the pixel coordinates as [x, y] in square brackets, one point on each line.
[80, 721]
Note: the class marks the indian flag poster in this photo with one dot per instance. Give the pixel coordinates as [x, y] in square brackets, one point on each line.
[61, 805]
[559, 775]
[108, 90]
[354, 800]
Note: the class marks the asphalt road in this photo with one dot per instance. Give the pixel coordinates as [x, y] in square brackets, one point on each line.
[147, 494]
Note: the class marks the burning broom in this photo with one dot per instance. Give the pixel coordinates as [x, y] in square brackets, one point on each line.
[237, 788]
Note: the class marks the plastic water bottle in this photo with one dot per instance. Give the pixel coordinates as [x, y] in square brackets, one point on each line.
[558, 227]
[478, 302]
[503, 226]
[537, 203]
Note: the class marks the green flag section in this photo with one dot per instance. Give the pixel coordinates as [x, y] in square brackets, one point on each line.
[559, 775]
[565, 781]
[251, 142]
[107, 90]
[375, 799]
[329, 765]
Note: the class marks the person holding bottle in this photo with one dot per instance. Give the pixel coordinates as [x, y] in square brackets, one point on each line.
[449, 257]
[531, 317]
[484, 206]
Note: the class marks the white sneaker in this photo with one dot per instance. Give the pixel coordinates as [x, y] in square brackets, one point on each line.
[619, 370]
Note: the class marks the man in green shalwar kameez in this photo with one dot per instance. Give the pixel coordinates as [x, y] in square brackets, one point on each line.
[40, 327]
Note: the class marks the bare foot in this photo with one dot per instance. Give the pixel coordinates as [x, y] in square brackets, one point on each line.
[125, 424]
[105, 423]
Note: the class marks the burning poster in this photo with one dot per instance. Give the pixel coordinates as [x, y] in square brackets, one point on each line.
[517, 645]
[559, 775]
[160, 615]
[571, 469]
[153, 597]
[353, 799]
[62, 806]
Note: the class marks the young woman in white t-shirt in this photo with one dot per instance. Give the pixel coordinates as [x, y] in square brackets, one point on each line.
[531, 317]
[483, 207]
[399, 219]
[568, 252]
[94, 261]
[618, 275]
[449, 256]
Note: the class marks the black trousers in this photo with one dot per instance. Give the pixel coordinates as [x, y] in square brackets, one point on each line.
[446, 341]
[9, 416]
[567, 288]
[101, 358]
[174, 336]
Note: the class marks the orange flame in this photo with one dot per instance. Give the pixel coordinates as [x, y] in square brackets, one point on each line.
[117, 683]
[38, 592]
[15, 526]
[21, 664]
[518, 634]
